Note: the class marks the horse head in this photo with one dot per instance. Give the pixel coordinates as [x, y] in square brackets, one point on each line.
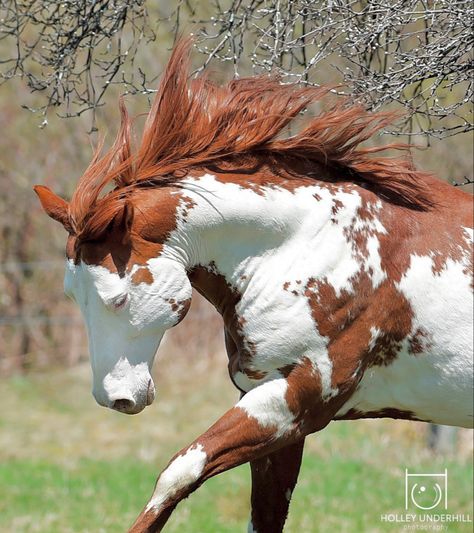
[130, 286]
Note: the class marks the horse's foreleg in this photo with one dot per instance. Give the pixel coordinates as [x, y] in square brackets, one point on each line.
[273, 480]
[265, 420]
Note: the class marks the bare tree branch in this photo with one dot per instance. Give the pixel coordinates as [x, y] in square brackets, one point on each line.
[417, 54]
[70, 50]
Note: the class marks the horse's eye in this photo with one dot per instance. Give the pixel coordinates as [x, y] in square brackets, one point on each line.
[119, 302]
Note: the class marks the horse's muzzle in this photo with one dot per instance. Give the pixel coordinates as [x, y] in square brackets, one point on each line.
[125, 399]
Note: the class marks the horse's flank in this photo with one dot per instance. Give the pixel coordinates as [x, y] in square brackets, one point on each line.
[240, 127]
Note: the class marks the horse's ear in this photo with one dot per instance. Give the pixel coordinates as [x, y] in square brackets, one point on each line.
[123, 220]
[55, 207]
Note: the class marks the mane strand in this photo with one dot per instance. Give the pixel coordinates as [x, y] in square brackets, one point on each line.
[198, 124]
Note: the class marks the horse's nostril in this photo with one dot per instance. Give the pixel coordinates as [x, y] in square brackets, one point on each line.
[123, 405]
[150, 393]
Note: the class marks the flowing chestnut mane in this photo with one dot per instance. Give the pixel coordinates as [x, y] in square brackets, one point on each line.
[197, 124]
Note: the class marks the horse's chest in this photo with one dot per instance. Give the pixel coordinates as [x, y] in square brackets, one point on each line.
[276, 330]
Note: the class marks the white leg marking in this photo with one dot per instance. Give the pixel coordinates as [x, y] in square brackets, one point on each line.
[267, 404]
[181, 473]
[250, 528]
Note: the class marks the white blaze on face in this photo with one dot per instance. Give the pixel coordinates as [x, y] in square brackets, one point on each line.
[125, 323]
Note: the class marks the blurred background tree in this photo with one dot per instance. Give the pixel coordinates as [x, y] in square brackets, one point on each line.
[67, 59]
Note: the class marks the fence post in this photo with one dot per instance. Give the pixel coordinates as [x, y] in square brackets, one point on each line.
[441, 439]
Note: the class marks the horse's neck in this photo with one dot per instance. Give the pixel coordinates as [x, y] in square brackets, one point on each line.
[239, 231]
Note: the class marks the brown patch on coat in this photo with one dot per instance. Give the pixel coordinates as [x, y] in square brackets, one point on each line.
[419, 342]
[119, 252]
[142, 275]
[388, 412]
[241, 351]
[247, 353]
[385, 351]
[304, 397]
[180, 307]
[348, 319]
[286, 370]
[173, 303]
[336, 206]
[187, 204]
[253, 373]
[183, 308]
[364, 217]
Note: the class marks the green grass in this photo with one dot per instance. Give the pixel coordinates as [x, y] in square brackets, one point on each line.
[68, 466]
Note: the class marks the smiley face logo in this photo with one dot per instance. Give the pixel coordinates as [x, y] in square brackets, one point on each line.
[426, 491]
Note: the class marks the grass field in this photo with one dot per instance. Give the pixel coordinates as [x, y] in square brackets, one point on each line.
[67, 465]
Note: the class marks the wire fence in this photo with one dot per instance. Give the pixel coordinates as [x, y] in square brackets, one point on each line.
[45, 328]
[15, 266]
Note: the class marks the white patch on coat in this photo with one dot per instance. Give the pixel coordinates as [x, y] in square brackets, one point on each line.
[152, 300]
[250, 528]
[185, 470]
[374, 337]
[259, 242]
[373, 261]
[435, 385]
[267, 405]
[288, 494]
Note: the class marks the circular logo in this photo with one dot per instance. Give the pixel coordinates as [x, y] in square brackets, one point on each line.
[425, 498]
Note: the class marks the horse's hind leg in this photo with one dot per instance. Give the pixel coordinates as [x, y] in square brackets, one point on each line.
[274, 477]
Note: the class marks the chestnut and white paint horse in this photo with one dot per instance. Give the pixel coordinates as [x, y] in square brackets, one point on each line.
[343, 278]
